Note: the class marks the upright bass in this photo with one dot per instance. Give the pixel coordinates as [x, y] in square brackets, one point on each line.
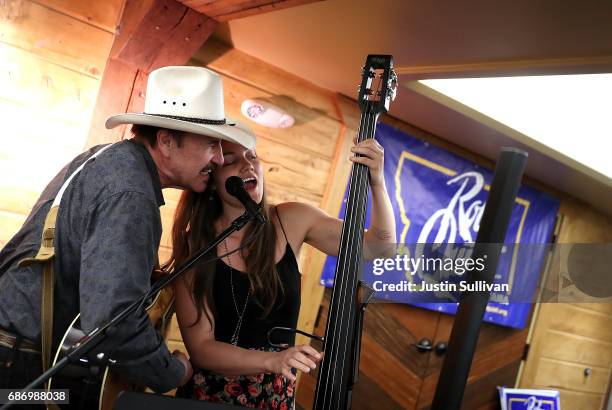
[340, 366]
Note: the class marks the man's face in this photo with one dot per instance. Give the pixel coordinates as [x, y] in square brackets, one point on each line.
[191, 161]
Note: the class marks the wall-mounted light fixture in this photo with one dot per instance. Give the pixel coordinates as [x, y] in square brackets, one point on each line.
[266, 114]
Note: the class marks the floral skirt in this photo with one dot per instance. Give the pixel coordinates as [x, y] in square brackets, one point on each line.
[264, 391]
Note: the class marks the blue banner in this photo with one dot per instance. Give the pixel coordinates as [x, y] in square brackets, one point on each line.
[439, 197]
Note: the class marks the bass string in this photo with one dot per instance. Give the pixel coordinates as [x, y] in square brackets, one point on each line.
[332, 337]
[346, 288]
[341, 277]
[356, 235]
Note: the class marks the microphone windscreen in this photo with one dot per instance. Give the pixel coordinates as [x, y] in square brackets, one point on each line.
[233, 185]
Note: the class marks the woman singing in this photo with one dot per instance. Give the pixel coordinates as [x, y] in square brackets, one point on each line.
[226, 307]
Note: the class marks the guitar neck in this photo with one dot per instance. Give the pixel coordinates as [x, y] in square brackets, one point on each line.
[339, 334]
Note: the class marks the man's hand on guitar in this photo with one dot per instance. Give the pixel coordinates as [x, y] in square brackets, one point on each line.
[188, 369]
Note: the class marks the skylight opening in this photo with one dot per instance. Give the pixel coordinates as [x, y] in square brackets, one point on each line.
[571, 114]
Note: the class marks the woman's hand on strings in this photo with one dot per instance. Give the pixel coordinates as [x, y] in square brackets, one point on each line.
[302, 357]
[373, 157]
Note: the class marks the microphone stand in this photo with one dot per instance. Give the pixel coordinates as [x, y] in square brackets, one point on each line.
[100, 334]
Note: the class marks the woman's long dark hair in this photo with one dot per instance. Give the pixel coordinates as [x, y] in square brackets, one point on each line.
[194, 228]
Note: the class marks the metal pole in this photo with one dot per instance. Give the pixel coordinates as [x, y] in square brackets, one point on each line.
[490, 239]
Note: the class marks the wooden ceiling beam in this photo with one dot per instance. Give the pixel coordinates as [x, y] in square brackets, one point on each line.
[157, 33]
[162, 32]
[151, 34]
[225, 10]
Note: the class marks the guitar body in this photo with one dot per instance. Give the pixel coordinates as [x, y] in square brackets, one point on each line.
[100, 390]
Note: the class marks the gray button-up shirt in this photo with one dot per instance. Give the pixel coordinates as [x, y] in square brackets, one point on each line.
[107, 236]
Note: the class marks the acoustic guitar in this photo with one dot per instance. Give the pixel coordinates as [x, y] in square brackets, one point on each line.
[102, 390]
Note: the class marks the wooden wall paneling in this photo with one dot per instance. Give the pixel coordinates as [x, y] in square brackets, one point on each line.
[164, 254]
[43, 108]
[171, 198]
[279, 193]
[574, 319]
[576, 400]
[172, 194]
[568, 340]
[101, 14]
[314, 133]
[113, 98]
[312, 261]
[312, 291]
[597, 307]
[26, 161]
[18, 200]
[272, 80]
[571, 376]
[58, 38]
[583, 224]
[10, 223]
[576, 348]
[174, 333]
[34, 133]
[292, 168]
[37, 84]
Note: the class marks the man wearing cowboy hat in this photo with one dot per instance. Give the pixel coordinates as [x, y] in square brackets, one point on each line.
[108, 230]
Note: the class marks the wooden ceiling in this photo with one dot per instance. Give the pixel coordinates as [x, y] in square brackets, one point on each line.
[326, 43]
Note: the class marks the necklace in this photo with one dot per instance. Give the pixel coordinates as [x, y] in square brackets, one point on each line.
[236, 334]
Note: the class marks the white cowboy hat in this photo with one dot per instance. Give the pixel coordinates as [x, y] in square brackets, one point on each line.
[189, 99]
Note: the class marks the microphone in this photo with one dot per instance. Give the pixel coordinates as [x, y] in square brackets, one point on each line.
[234, 186]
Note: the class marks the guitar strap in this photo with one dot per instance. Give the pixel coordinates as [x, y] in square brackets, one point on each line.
[46, 257]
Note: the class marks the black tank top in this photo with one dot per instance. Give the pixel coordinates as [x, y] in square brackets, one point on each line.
[254, 328]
